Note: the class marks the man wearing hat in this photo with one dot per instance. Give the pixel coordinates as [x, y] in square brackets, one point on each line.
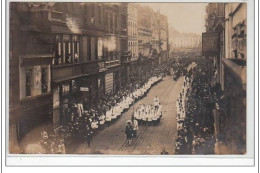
[129, 132]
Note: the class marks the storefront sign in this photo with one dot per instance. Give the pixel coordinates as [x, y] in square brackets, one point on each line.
[100, 48]
[210, 44]
[109, 80]
[85, 89]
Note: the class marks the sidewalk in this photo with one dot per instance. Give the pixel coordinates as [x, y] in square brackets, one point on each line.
[34, 136]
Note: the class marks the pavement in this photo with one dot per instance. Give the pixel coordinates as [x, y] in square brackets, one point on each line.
[33, 136]
[150, 139]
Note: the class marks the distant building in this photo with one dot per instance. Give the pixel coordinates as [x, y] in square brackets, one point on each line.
[163, 37]
[184, 40]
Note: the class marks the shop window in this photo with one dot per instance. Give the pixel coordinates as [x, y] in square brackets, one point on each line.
[28, 82]
[74, 86]
[44, 81]
[65, 89]
[56, 97]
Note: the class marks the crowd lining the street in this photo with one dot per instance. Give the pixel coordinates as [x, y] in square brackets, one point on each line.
[85, 121]
[195, 121]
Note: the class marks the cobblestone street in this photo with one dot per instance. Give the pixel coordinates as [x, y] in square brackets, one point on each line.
[150, 139]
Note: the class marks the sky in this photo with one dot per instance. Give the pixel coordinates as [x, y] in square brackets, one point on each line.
[184, 17]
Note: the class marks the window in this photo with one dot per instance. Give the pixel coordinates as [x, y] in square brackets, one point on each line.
[44, 81]
[57, 59]
[89, 48]
[74, 86]
[68, 58]
[115, 21]
[123, 21]
[76, 51]
[93, 48]
[65, 89]
[111, 22]
[67, 51]
[28, 82]
[93, 12]
[99, 15]
[106, 19]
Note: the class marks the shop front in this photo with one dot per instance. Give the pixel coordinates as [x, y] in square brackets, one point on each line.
[112, 80]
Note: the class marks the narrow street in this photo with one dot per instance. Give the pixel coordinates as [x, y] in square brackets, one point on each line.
[150, 139]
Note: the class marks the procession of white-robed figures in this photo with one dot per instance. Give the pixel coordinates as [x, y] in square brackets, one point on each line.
[145, 114]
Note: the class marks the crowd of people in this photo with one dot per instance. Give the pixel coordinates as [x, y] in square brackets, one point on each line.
[195, 121]
[195, 127]
[50, 144]
[85, 120]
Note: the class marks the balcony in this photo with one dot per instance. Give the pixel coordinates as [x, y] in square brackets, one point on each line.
[71, 71]
[112, 63]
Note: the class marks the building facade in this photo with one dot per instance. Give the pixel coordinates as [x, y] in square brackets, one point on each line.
[233, 75]
[229, 21]
[144, 31]
[186, 41]
[163, 37]
[59, 61]
[132, 30]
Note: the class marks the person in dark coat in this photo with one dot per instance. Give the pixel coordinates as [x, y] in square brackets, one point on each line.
[129, 132]
[164, 152]
[89, 135]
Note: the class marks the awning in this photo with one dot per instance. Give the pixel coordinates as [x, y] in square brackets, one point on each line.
[33, 60]
[73, 77]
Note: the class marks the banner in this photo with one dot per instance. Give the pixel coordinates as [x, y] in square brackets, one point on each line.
[210, 44]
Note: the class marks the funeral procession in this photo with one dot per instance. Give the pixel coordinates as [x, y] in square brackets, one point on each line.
[127, 78]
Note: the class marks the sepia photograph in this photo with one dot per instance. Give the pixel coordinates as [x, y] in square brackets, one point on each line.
[127, 78]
